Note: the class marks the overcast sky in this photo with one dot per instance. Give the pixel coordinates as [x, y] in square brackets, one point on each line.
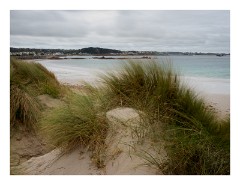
[201, 31]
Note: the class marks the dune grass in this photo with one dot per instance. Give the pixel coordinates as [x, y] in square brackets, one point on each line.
[34, 78]
[196, 143]
[78, 123]
[27, 81]
[24, 109]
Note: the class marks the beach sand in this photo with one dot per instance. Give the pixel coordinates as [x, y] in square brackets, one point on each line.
[215, 92]
[220, 103]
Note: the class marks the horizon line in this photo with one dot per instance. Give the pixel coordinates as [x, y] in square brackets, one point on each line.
[119, 50]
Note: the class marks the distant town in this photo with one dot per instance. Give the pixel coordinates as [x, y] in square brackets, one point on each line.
[33, 53]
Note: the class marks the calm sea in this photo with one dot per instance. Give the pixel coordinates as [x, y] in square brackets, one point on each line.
[209, 74]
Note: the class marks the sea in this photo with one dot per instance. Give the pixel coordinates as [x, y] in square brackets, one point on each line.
[203, 73]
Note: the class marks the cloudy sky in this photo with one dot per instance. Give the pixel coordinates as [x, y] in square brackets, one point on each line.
[201, 31]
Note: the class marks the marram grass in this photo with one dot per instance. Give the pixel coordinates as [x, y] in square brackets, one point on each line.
[24, 109]
[34, 78]
[197, 142]
[27, 81]
[78, 123]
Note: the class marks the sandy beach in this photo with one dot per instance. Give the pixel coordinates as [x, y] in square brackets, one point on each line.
[216, 92]
[220, 102]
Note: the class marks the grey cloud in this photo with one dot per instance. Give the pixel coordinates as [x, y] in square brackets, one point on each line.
[140, 30]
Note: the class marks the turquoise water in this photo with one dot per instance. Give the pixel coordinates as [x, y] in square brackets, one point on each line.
[195, 66]
[211, 73]
[203, 66]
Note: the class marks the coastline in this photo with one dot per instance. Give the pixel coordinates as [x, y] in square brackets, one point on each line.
[215, 91]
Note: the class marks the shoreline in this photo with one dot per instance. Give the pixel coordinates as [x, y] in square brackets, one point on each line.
[215, 91]
[113, 57]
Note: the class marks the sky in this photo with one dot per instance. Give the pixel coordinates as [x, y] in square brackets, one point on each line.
[159, 30]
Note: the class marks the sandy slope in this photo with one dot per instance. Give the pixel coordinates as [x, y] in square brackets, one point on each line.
[25, 145]
[54, 163]
[121, 152]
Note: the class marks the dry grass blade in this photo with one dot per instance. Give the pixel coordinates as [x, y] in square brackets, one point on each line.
[24, 109]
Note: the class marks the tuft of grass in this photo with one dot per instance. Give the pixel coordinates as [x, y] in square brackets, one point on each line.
[34, 78]
[24, 109]
[146, 85]
[195, 142]
[28, 80]
[78, 123]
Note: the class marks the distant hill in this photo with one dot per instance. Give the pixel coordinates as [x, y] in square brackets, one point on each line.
[96, 51]
[99, 51]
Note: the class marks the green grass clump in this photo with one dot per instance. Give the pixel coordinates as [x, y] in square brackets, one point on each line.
[24, 109]
[78, 123]
[34, 78]
[196, 144]
[142, 84]
[196, 153]
[27, 81]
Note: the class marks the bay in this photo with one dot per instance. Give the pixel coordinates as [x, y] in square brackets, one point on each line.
[204, 73]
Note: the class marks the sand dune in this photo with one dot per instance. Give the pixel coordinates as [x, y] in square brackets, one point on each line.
[121, 153]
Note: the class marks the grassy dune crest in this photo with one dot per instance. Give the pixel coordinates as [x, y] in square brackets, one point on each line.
[197, 141]
[34, 78]
[27, 81]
